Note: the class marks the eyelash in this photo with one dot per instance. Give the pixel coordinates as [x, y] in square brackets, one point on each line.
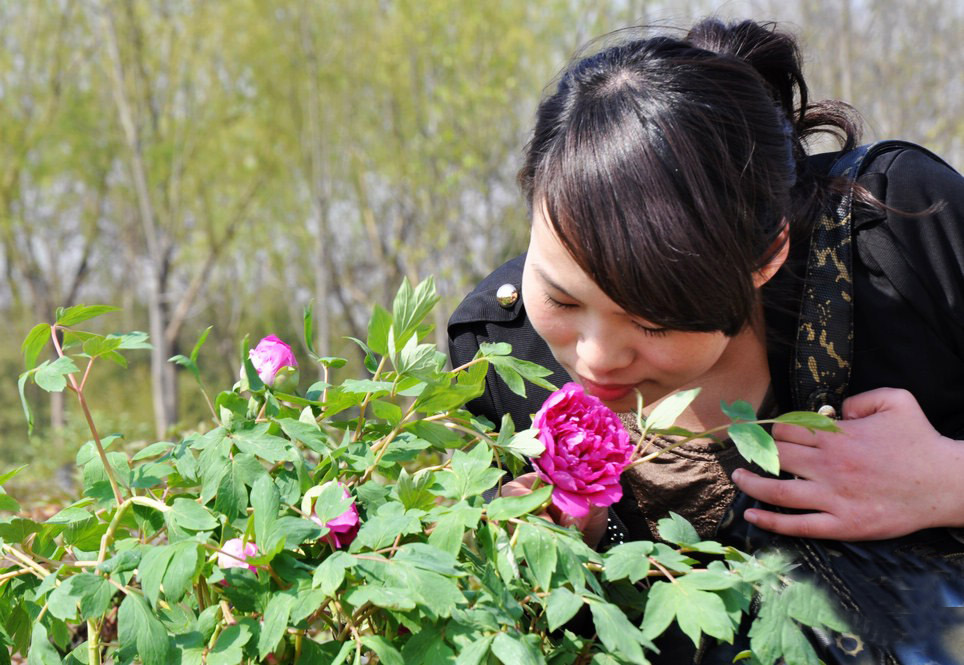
[653, 332]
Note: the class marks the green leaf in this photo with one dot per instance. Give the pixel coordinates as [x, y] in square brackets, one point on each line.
[628, 561]
[616, 632]
[387, 654]
[141, 631]
[380, 530]
[257, 441]
[191, 515]
[153, 450]
[526, 443]
[179, 575]
[675, 529]
[531, 372]
[80, 313]
[391, 598]
[228, 649]
[10, 474]
[266, 502]
[561, 606]
[739, 410]
[471, 473]
[476, 651]
[132, 341]
[331, 502]
[410, 307]
[21, 384]
[121, 562]
[808, 419]
[414, 491]
[378, 326]
[101, 346]
[51, 376]
[232, 496]
[756, 445]
[331, 573]
[8, 503]
[151, 571]
[670, 408]
[42, 652]
[34, 343]
[695, 611]
[275, 622]
[513, 651]
[540, 553]
[512, 506]
[307, 433]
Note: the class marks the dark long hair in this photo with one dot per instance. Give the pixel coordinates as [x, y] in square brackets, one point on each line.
[668, 165]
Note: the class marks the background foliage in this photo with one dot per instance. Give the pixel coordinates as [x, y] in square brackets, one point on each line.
[226, 162]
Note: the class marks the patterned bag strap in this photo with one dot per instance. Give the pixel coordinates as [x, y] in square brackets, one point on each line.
[822, 362]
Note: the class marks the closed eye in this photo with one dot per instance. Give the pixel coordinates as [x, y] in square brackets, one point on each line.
[649, 330]
[552, 302]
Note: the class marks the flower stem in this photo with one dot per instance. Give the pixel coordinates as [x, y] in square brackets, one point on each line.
[90, 421]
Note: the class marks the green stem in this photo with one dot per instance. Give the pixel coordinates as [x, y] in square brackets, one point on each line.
[79, 390]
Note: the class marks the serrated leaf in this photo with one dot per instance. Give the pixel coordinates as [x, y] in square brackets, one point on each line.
[756, 446]
[258, 441]
[505, 508]
[616, 632]
[628, 561]
[141, 631]
[675, 529]
[51, 376]
[80, 313]
[561, 606]
[34, 343]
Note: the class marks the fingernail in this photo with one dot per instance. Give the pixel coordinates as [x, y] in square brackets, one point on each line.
[750, 516]
[737, 474]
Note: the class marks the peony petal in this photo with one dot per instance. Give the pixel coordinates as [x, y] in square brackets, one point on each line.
[570, 503]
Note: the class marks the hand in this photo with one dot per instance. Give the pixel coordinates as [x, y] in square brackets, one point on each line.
[593, 526]
[886, 474]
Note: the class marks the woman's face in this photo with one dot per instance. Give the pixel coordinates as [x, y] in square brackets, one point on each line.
[602, 347]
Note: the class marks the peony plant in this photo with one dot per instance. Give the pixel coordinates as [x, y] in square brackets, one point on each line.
[345, 522]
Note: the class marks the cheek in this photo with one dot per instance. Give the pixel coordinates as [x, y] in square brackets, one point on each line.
[688, 357]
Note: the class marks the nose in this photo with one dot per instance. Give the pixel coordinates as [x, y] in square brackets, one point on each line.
[601, 350]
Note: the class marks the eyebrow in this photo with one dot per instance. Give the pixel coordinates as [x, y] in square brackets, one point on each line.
[548, 280]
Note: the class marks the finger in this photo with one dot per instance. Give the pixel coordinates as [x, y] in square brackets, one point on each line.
[799, 460]
[807, 525]
[795, 434]
[791, 493]
[868, 403]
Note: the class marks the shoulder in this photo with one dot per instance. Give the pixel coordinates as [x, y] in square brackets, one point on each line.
[484, 302]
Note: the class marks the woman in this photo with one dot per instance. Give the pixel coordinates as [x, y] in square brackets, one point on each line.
[672, 207]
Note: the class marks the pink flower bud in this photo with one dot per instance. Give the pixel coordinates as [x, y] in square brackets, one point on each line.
[587, 449]
[235, 554]
[342, 529]
[269, 356]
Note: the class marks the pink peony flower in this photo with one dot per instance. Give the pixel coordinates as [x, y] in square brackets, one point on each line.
[587, 449]
[235, 554]
[342, 529]
[270, 356]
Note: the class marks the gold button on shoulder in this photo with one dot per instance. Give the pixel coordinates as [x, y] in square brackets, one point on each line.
[828, 411]
[507, 295]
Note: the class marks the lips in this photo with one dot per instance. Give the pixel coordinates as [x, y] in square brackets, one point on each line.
[607, 392]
